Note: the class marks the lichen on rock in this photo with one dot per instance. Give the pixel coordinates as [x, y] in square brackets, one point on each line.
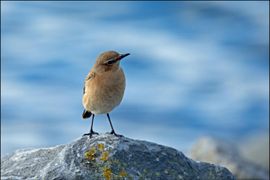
[107, 157]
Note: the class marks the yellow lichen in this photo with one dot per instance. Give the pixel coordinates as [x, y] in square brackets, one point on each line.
[90, 154]
[123, 173]
[104, 156]
[107, 173]
[100, 147]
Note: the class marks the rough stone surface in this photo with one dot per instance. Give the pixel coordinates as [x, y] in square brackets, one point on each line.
[226, 154]
[107, 157]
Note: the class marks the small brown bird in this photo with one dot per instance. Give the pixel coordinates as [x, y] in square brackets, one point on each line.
[104, 87]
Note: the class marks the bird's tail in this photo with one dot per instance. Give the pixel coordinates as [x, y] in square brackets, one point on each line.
[86, 114]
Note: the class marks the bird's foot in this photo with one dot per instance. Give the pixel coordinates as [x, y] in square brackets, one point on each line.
[117, 135]
[91, 133]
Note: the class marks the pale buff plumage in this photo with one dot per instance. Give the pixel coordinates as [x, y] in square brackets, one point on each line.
[103, 91]
[104, 86]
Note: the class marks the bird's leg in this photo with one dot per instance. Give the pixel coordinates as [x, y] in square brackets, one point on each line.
[91, 130]
[113, 132]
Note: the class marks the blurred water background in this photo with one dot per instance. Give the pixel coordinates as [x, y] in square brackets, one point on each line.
[195, 69]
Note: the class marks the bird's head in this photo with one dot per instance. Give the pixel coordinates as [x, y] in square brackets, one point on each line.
[109, 60]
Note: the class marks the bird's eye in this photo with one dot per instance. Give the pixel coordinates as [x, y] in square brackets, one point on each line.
[110, 62]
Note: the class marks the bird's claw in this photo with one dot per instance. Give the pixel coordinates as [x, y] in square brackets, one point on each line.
[117, 135]
[90, 134]
[93, 132]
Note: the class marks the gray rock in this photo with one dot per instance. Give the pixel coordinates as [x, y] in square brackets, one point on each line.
[226, 154]
[255, 148]
[107, 157]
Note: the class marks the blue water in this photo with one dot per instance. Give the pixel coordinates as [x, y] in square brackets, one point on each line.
[195, 69]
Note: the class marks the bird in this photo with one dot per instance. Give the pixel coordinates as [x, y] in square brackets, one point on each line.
[104, 88]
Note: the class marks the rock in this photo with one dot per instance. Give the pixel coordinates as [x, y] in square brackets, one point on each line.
[223, 153]
[107, 157]
[255, 148]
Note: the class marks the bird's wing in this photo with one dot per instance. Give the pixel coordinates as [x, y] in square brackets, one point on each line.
[90, 76]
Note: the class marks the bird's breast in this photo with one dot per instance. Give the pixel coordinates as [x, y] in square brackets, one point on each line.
[104, 92]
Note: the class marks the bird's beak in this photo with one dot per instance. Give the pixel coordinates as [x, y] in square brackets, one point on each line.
[114, 60]
[122, 56]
